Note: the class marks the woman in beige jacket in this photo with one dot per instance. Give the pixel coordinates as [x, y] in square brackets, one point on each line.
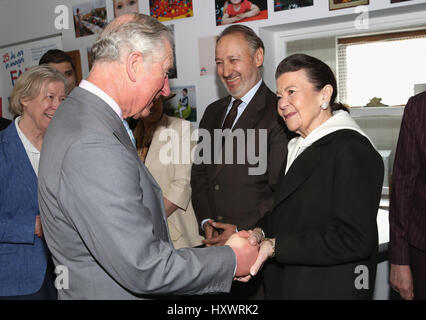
[164, 145]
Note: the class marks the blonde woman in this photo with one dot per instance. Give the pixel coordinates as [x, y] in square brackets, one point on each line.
[24, 256]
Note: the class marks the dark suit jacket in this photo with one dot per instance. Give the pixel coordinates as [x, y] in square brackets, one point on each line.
[23, 256]
[324, 221]
[226, 192]
[407, 214]
[4, 123]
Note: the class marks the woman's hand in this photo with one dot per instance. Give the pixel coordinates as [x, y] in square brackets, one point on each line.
[38, 230]
[267, 250]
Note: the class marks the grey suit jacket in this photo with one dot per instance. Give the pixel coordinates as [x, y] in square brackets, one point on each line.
[103, 214]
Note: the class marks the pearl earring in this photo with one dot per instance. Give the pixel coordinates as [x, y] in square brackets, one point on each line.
[324, 105]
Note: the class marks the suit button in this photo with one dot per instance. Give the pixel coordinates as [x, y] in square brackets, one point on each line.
[219, 218]
[216, 187]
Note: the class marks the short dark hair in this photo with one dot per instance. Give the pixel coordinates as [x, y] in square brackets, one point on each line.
[56, 56]
[252, 39]
[319, 74]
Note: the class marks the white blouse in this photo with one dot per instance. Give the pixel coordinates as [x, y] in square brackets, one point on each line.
[32, 152]
[339, 121]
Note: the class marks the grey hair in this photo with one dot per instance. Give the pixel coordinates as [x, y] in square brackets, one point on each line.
[30, 83]
[140, 33]
[251, 37]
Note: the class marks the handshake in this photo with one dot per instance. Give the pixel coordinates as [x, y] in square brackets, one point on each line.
[250, 247]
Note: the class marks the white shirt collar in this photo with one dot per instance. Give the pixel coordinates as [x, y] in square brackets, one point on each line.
[339, 121]
[250, 94]
[29, 147]
[101, 94]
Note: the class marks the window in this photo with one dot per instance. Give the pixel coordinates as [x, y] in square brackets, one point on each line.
[385, 66]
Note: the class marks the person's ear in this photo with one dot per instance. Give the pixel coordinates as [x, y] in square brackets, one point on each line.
[327, 92]
[24, 103]
[134, 65]
[258, 57]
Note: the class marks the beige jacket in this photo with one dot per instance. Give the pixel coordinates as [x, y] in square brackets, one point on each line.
[174, 178]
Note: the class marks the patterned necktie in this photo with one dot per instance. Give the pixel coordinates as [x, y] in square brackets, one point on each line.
[232, 114]
[130, 133]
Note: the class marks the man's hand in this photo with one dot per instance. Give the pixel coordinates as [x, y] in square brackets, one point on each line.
[38, 230]
[218, 239]
[246, 253]
[401, 281]
[209, 232]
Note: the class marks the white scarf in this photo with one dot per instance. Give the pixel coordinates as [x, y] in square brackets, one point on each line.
[339, 121]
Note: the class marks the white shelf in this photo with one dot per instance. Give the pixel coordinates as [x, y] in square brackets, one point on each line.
[395, 111]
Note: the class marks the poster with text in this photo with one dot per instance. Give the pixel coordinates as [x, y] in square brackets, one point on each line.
[239, 11]
[16, 59]
[89, 18]
[166, 10]
[182, 104]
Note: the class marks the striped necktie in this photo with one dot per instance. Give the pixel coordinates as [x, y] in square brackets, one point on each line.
[129, 132]
[232, 115]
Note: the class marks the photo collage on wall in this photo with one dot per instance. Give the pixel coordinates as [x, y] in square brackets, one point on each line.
[91, 16]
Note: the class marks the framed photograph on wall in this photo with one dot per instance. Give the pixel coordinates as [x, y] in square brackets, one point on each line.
[125, 6]
[342, 4]
[280, 5]
[239, 11]
[166, 10]
[396, 1]
[89, 18]
[182, 103]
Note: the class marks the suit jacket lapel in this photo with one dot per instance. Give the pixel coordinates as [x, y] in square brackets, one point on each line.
[101, 110]
[301, 169]
[253, 112]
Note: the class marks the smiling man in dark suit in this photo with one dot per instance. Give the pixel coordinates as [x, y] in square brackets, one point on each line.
[226, 196]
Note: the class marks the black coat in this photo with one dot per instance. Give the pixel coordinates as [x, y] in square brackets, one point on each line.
[324, 221]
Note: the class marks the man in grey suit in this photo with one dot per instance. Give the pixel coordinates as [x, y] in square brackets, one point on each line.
[102, 212]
